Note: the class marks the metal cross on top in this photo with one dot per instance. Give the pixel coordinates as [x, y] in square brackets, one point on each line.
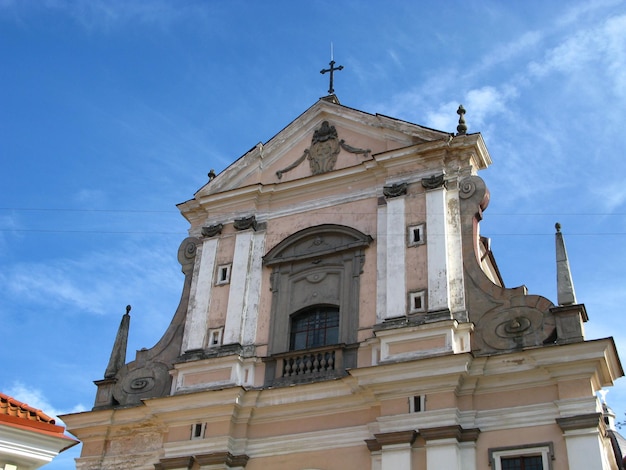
[332, 69]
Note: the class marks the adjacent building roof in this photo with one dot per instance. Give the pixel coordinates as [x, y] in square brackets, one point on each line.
[14, 413]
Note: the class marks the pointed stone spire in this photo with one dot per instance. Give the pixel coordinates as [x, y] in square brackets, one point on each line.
[564, 283]
[118, 355]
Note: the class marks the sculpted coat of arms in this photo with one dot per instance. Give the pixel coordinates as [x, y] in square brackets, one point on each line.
[323, 152]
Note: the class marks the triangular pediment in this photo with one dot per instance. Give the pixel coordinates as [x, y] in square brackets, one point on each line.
[327, 137]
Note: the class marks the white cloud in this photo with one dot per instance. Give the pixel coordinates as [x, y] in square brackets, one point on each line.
[594, 55]
[583, 11]
[97, 282]
[35, 398]
[511, 50]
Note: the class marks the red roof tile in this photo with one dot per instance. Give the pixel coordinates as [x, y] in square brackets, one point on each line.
[11, 407]
[19, 415]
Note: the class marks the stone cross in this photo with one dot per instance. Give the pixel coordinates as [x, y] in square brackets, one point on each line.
[331, 70]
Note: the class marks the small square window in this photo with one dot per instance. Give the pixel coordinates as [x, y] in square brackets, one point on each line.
[417, 302]
[416, 235]
[215, 337]
[197, 430]
[223, 274]
[417, 404]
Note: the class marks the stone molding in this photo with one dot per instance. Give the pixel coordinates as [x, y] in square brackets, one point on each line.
[572, 423]
[213, 458]
[391, 438]
[450, 432]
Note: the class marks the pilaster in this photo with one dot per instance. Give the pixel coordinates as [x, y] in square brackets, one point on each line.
[245, 287]
[396, 258]
[200, 297]
[436, 245]
[584, 435]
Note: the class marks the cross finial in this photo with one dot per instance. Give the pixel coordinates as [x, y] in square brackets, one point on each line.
[332, 69]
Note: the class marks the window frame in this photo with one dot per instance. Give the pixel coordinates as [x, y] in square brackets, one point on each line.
[544, 449]
[222, 274]
[309, 312]
[413, 296]
[421, 230]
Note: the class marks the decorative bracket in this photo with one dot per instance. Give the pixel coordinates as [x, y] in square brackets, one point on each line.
[434, 182]
[395, 190]
[245, 223]
[212, 230]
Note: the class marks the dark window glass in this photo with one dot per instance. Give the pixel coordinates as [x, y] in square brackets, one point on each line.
[314, 328]
[522, 463]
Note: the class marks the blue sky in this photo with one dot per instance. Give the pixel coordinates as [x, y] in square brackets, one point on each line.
[111, 112]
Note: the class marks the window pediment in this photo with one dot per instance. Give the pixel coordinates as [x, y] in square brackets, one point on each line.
[318, 241]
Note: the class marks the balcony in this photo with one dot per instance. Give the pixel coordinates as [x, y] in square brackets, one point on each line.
[309, 365]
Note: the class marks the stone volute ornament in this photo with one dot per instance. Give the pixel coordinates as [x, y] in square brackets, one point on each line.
[323, 152]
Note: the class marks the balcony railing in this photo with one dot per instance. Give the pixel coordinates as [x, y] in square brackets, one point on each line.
[310, 363]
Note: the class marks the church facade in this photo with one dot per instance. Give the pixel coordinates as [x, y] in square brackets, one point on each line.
[340, 310]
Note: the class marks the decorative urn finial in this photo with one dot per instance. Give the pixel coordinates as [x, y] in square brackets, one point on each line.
[461, 129]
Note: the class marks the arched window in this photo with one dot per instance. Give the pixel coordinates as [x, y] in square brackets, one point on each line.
[314, 327]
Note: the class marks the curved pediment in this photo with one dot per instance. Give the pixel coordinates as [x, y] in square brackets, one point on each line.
[317, 241]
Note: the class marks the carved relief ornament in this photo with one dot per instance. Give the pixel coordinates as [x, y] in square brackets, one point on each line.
[323, 152]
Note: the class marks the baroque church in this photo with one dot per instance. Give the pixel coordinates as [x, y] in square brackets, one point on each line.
[341, 310]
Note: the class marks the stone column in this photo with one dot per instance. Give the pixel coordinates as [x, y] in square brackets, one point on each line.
[200, 297]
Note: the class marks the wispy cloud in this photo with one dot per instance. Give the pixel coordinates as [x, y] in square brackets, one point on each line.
[36, 399]
[530, 40]
[96, 282]
[108, 15]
